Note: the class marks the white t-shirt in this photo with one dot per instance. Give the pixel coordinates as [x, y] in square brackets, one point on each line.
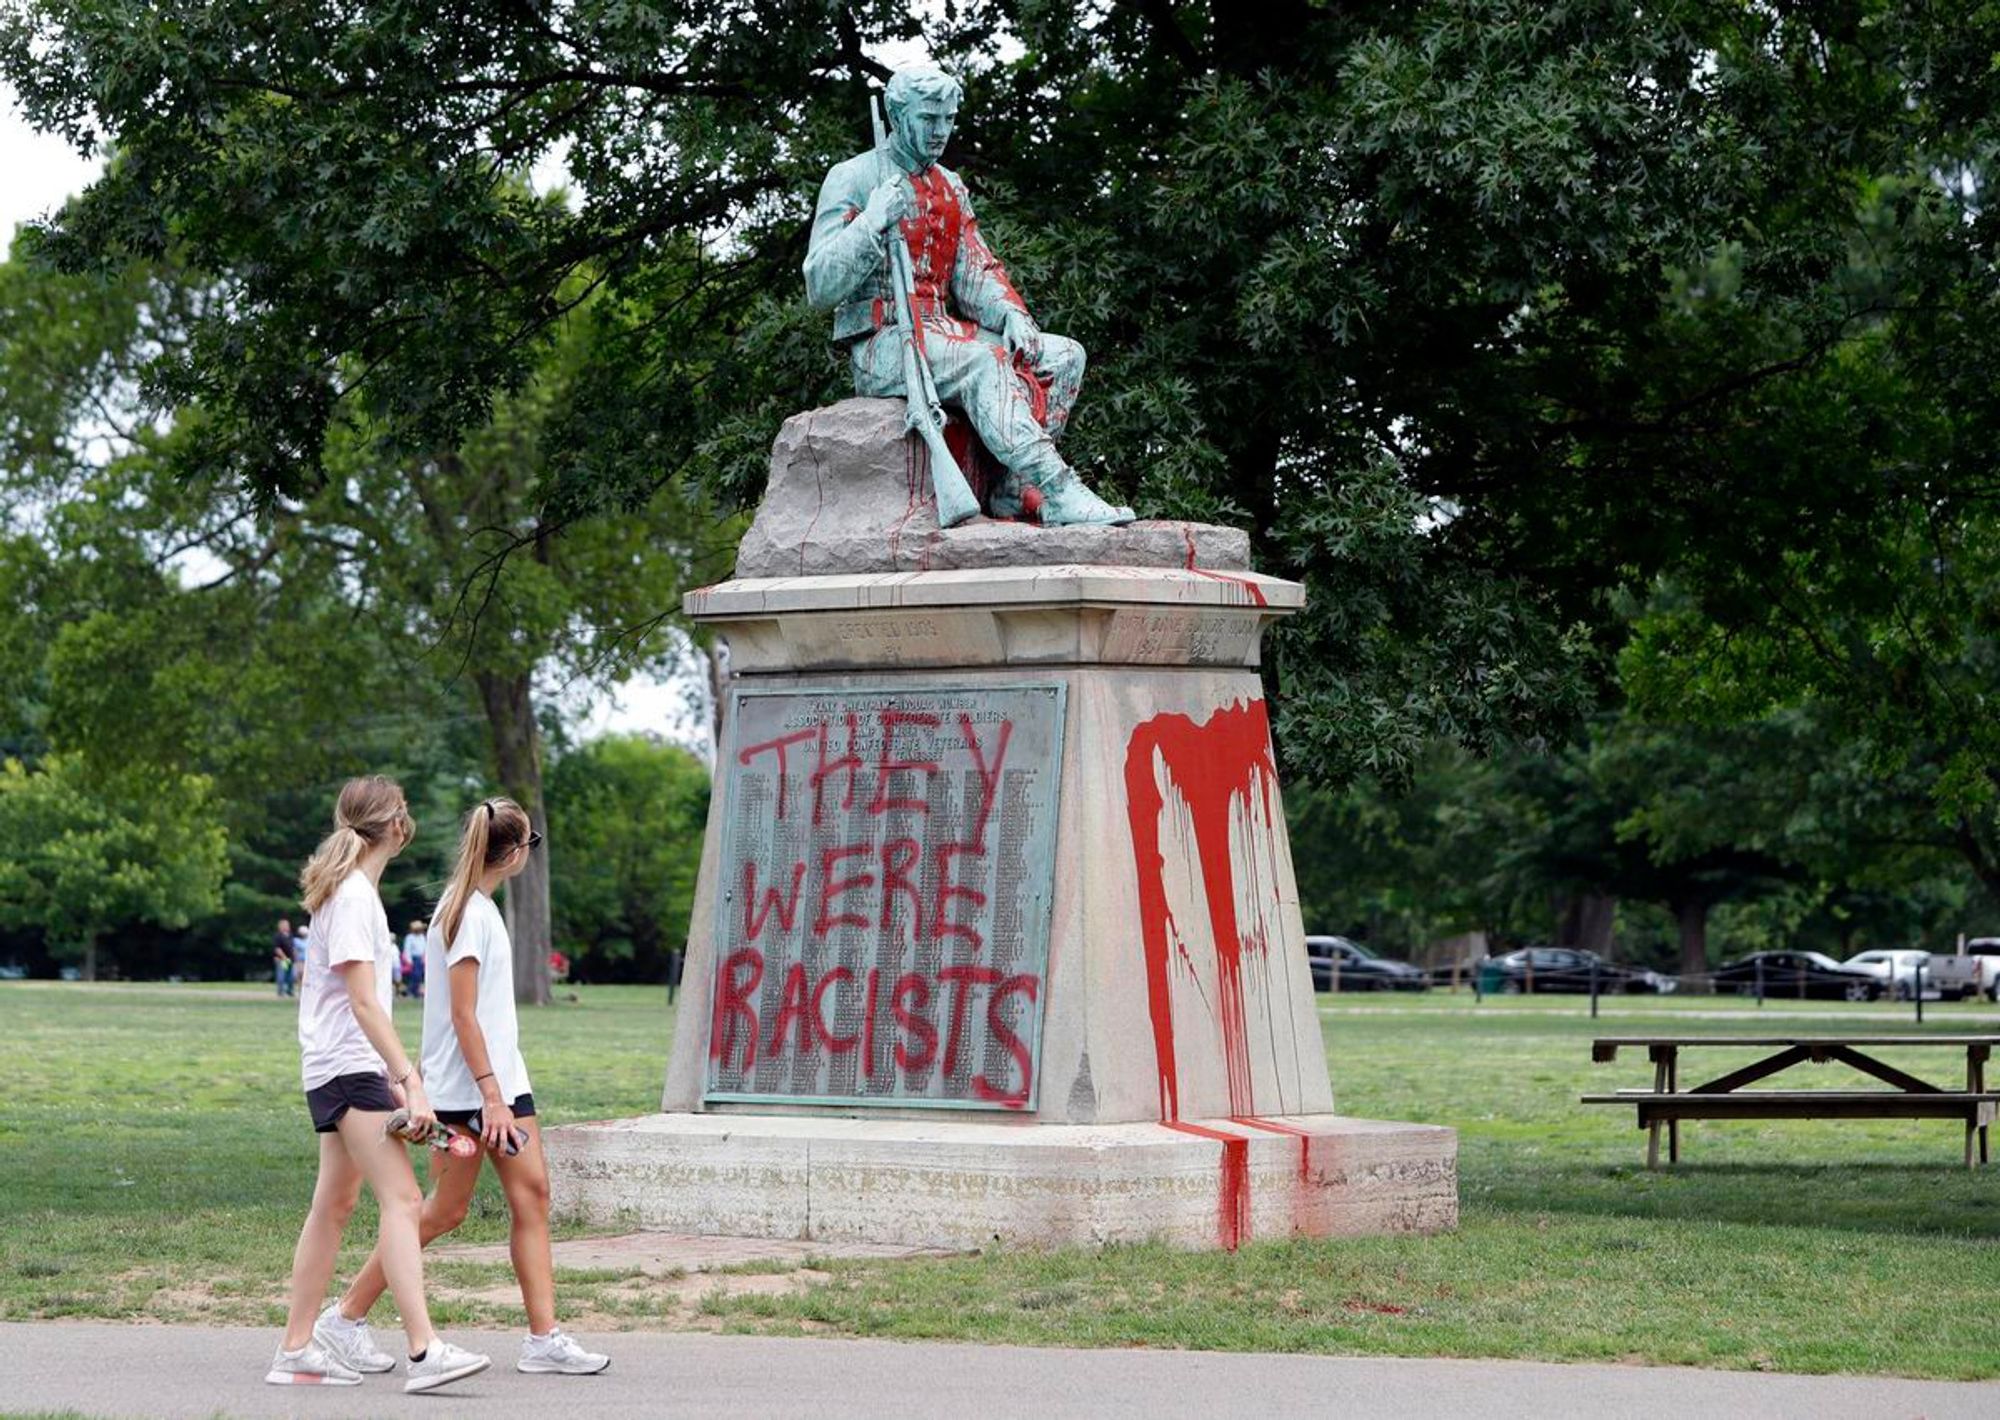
[349, 926]
[482, 937]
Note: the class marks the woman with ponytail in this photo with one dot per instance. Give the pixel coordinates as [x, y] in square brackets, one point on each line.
[472, 1057]
[356, 1073]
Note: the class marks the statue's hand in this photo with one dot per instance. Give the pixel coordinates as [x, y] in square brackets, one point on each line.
[890, 202]
[1021, 335]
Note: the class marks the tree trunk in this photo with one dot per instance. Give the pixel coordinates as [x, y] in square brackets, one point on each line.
[90, 958]
[1692, 917]
[1978, 854]
[517, 757]
[1585, 922]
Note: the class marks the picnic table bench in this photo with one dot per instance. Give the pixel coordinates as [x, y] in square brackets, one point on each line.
[1725, 1098]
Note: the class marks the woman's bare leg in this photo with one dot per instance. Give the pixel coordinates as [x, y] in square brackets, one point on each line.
[385, 1163]
[454, 1179]
[334, 1196]
[524, 1178]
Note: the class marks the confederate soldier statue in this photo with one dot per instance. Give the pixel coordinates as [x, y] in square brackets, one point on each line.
[972, 333]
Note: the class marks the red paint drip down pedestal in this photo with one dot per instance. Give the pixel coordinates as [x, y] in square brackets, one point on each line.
[1223, 773]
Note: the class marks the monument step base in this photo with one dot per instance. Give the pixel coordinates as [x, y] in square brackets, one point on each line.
[963, 1184]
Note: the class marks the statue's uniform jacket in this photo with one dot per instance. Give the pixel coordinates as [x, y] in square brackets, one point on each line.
[961, 298]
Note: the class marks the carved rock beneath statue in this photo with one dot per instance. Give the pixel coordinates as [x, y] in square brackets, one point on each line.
[849, 492]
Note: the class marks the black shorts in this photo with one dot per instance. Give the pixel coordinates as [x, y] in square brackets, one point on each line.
[368, 1093]
[523, 1107]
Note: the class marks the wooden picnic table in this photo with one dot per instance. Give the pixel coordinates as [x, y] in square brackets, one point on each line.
[1725, 1098]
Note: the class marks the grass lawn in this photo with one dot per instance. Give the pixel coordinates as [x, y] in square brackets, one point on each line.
[155, 1162]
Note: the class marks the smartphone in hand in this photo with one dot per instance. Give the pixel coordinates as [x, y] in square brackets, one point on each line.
[510, 1142]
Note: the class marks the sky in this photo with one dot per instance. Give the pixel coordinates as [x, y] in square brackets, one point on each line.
[38, 172]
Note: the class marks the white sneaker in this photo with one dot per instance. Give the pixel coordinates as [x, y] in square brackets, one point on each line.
[309, 1365]
[557, 1354]
[351, 1343]
[443, 1363]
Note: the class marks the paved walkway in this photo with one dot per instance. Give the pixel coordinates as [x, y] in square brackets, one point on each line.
[99, 1369]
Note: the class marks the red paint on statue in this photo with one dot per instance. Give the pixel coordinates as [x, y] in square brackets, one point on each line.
[1252, 593]
[1272, 1126]
[916, 484]
[1222, 772]
[1212, 767]
[933, 234]
[1232, 1223]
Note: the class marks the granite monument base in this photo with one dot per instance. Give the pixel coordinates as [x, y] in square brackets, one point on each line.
[956, 1183]
[1036, 974]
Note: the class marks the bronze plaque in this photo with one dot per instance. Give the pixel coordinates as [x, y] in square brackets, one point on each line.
[882, 921]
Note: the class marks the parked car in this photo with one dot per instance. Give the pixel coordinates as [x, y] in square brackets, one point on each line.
[1338, 964]
[1984, 953]
[1956, 976]
[1798, 974]
[1897, 968]
[1565, 969]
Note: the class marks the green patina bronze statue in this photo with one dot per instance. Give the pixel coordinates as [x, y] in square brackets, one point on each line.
[938, 321]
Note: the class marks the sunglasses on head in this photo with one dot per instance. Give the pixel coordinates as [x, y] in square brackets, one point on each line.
[534, 838]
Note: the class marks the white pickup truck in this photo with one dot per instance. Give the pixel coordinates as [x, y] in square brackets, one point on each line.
[1972, 971]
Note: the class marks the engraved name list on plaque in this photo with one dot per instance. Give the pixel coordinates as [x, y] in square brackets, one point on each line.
[887, 873]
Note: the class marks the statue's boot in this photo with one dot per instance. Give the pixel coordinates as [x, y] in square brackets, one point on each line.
[1067, 503]
[1015, 497]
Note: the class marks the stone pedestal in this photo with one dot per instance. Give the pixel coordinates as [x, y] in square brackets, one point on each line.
[958, 1183]
[997, 935]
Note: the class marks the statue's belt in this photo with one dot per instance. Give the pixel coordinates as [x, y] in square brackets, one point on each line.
[865, 317]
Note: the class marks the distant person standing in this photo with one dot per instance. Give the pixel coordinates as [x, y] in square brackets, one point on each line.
[411, 975]
[281, 956]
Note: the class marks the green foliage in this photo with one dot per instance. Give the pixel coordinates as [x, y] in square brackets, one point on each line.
[81, 855]
[1786, 837]
[1890, 645]
[1402, 869]
[626, 817]
[1510, 326]
[403, 619]
[1475, 311]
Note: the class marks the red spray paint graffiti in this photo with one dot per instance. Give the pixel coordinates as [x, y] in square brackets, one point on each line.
[1214, 767]
[1232, 1223]
[1253, 594]
[1273, 1126]
[1219, 770]
[863, 953]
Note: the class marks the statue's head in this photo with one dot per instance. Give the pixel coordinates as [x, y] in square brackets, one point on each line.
[923, 107]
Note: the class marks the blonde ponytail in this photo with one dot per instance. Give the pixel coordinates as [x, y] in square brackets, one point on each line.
[493, 829]
[369, 811]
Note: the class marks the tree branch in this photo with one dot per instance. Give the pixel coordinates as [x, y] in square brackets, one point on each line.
[1166, 27]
